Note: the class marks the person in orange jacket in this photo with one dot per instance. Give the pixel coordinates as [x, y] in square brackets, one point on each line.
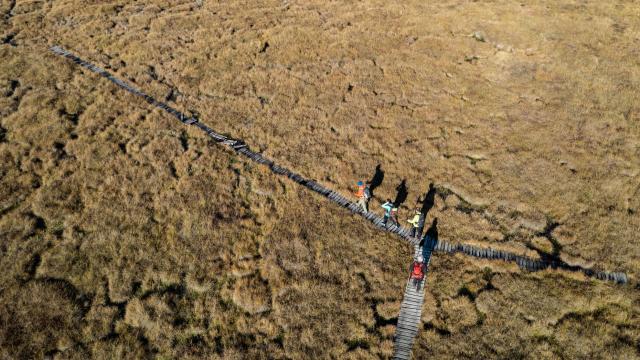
[363, 194]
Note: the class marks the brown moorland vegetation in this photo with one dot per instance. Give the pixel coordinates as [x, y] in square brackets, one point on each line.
[124, 234]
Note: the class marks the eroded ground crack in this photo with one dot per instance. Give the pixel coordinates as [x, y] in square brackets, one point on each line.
[9, 14]
[82, 300]
[121, 307]
[379, 320]
[9, 40]
[547, 260]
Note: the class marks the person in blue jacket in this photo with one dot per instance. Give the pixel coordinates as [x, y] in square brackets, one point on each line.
[388, 208]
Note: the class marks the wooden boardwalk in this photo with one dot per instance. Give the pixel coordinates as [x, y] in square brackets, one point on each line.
[409, 320]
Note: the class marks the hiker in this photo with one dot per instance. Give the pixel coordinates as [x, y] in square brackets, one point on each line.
[363, 194]
[367, 192]
[415, 223]
[418, 270]
[394, 216]
[388, 207]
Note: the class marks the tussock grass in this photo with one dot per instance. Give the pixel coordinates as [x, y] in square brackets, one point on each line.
[125, 235]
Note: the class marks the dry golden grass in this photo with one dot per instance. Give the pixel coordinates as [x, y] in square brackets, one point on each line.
[125, 235]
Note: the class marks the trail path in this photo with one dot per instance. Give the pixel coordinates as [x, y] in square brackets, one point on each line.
[411, 308]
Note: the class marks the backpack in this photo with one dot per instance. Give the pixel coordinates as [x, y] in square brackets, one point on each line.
[417, 271]
[367, 193]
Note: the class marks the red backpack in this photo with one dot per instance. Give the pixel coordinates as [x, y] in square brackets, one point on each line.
[417, 271]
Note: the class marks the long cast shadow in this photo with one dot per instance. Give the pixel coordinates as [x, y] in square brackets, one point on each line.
[377, 178]
[429, 200]
[430, 240]
[425, 206]
[402, 193]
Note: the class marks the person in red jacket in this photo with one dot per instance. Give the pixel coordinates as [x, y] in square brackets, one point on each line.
[418, 270]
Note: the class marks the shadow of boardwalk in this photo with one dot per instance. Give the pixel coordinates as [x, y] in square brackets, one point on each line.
[377, 178]
[402, 193]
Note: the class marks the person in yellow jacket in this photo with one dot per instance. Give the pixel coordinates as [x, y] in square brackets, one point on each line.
[415, 222]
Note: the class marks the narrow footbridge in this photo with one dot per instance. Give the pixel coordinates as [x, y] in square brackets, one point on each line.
[411, 306]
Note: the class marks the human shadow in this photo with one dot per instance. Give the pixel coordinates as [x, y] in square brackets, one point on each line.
[377, 178]
[432, 231]
[424, 205]
[401, 194]
[429, 200]
[430, 240]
